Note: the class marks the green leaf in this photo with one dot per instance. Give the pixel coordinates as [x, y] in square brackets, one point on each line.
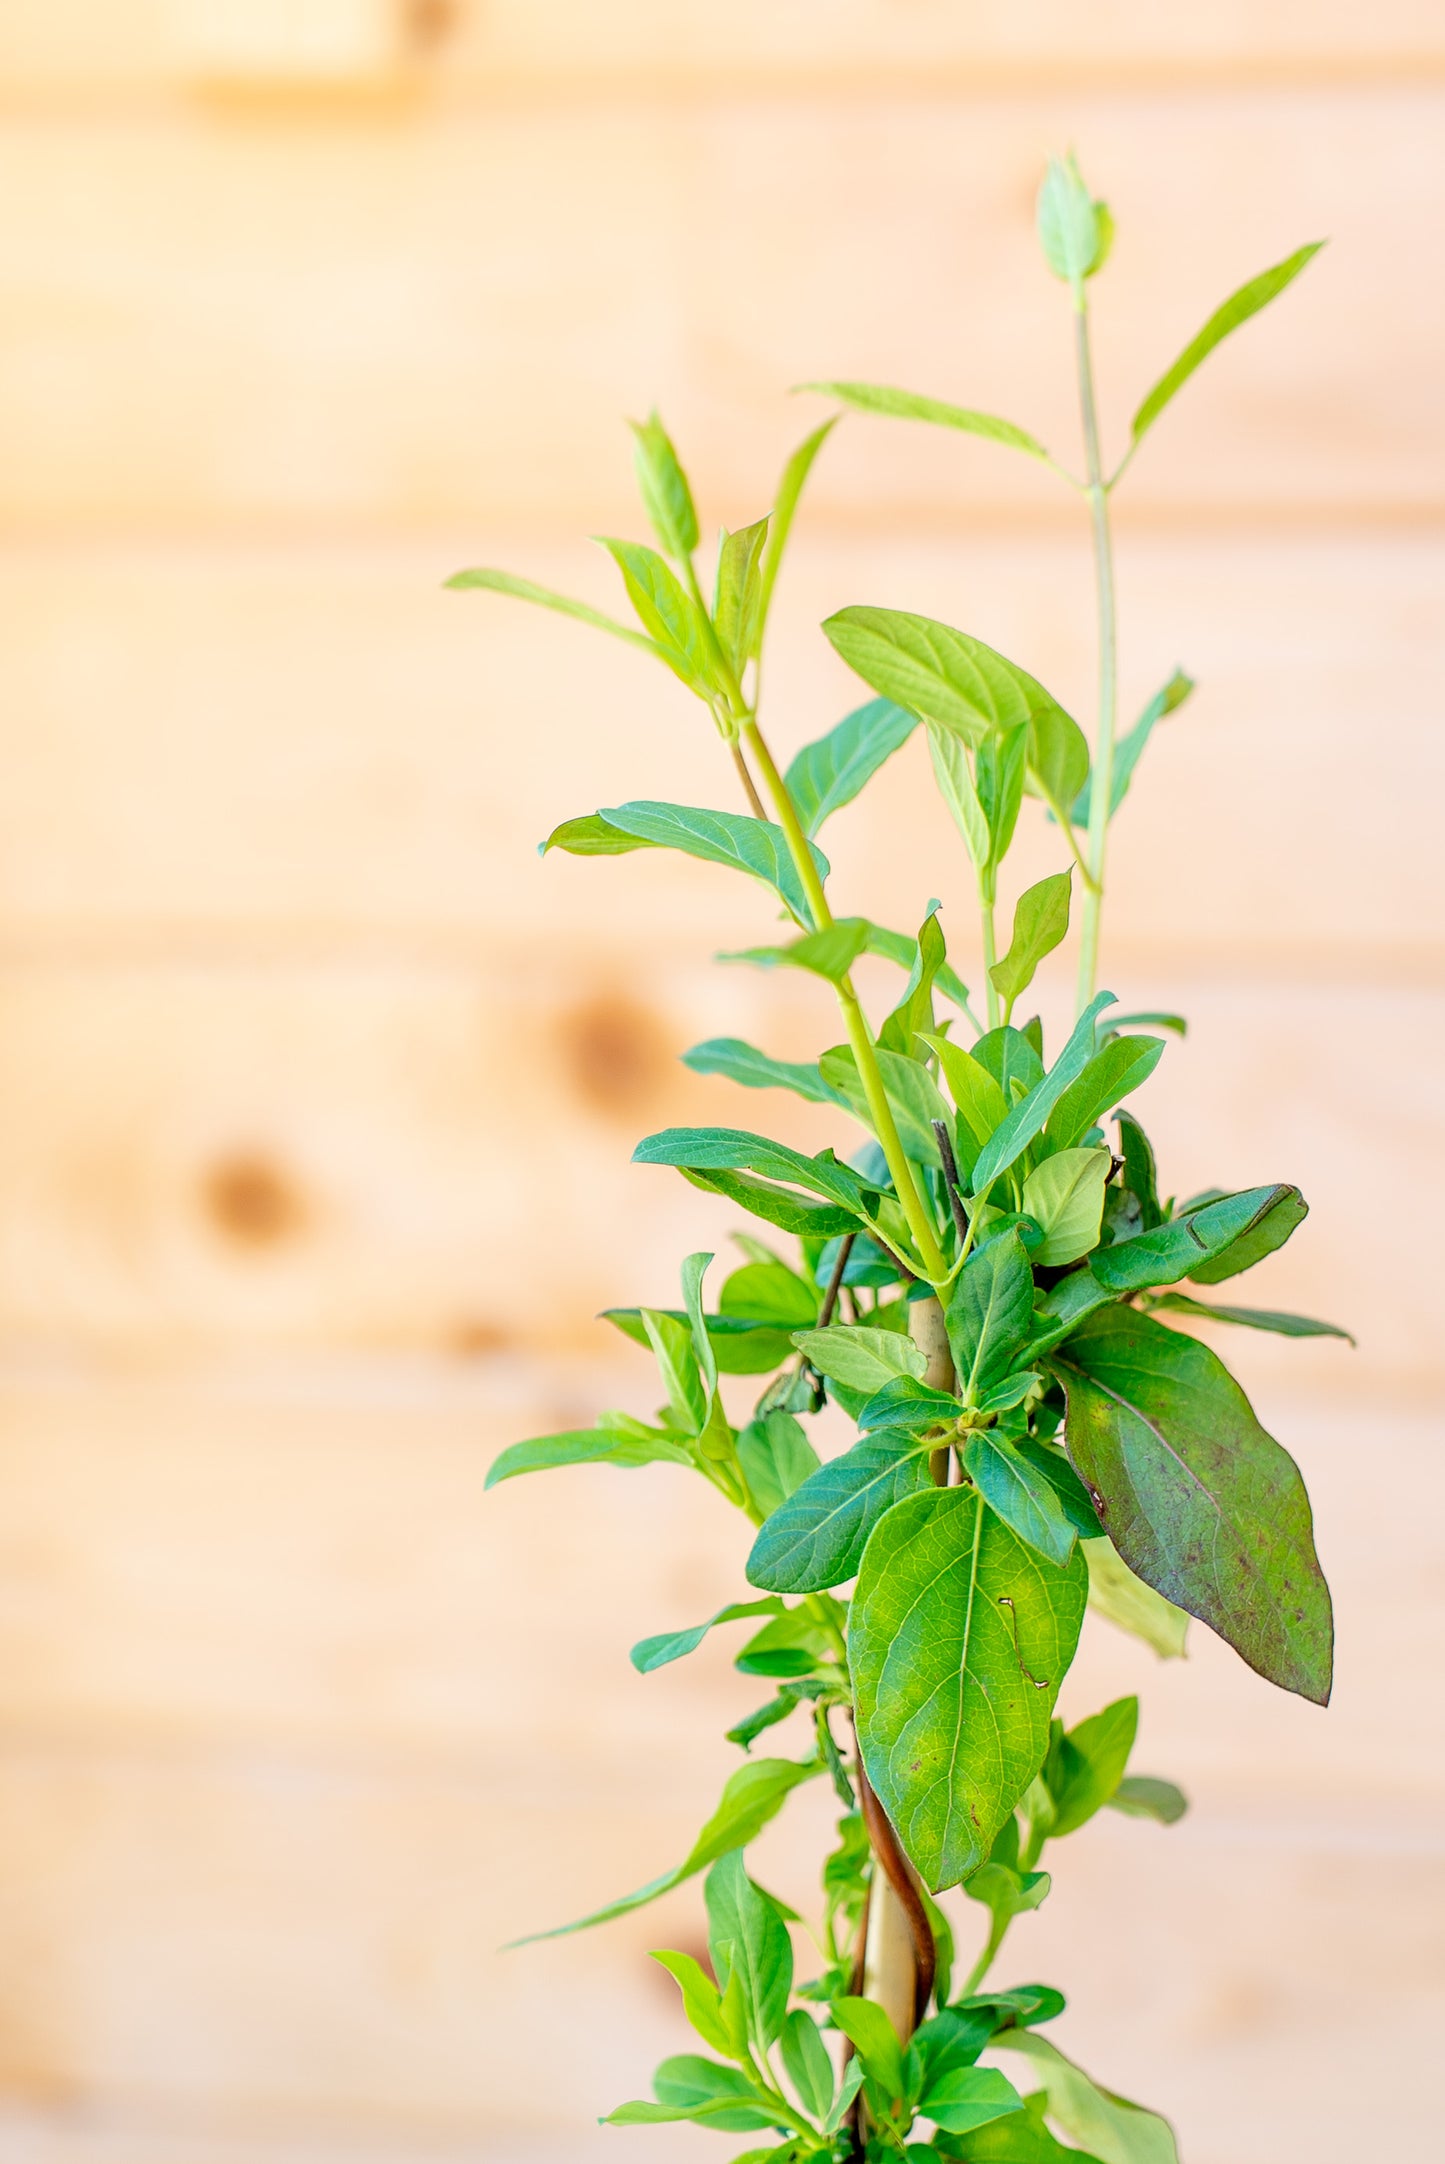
[1007, 1892]
[1140, 1177]
[913, 1016]
[672, 1347]
[1013, 1487]
[958, 1638]
[1125, 1601]
[701, 1999]
[863, 1358]
[989, 1312]
[1062, 1309]
[1267, 1232]
[1200, 1502]
[942, 674]
[817, 1538]
[629, 1446]
[1127, 754]
[1113, 2130]
[776, 1458]
[1068, 223]
[1140, 1795]
[951, 2040]
[666, 497]
[1052, 1465]
[910, 1089]
[970, 2097]
[1065, 1195]
[650, 1653]
[898, 947]
[746, 1934]
[848, 2088]
[1240, 306]
[770, 1292]
[785, 504]
[956, 786]
[830, 953]
[591, 836]
[755, 1070]
[1253, 1318]
[1012, 1058]
[720, 2096]
[1206, 1243]
[718, 2112]
[909, 406]
[694, 1270]
[778, 1206]
[740, 1346]
[668, 613]
[1022, 2139]
[1058, 758]
[748, 845]
[752, 1796]
[793, 1644]
[1008, 1143]
[502, 582]
[874, 2038]
[738, 601]
[1116, 1070]
[830, 773]
[1000, 767]
[806, 2063]
[981, 1103]
[1086, 1764]
[1041, 923]
[709, 1149]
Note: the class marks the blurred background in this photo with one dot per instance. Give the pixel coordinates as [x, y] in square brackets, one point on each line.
[319, 1088]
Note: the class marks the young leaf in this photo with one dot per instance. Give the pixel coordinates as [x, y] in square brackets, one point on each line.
[1127, 753]
[958, 1639]
[1017, 1491]
[1200, 1502]
[754, 846]
[989, 1312]
[1058, 754]
[503, 582]
[817, 1538]
[863, 1358]
[830, 773]
[982, 1106]
[1253, 1318]
[1116, 1070]
[909, 406]
[913, 1016]
[830, 953]
[776, 1458]
[1000, 767]
[956, 786]
[1041, 922]
[1008, 1143]
[872, 2035]
[848, 2088]
[935, 671]
[795, 1643]
[751, 1797]
[746, 1934]
[1013, 1058]
[720, 2096]
[898, 947]
[666, 497]
[1140, 1795]
[1240, 306]
[785, 505]
[1065, 1195]
[672, 1347]
[756, 1070]
[1209, 1243]
[1125, 1601]
[1085, 1766]
[1109, 2127]
[628, 1446]
[738, 600]
[806, 2063]
[701, 1999]
[650, 1653]
[668, 613]
[1068, 223]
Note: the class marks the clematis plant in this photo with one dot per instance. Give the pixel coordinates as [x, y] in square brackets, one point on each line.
[989, 1284]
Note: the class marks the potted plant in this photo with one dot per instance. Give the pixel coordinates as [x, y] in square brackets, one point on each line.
[992, 1288]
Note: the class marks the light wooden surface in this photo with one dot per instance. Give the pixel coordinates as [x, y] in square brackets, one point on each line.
[296, 1031]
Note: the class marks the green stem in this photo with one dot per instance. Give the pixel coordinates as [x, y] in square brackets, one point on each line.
[1101, 788]
[859, 1036]
[986, 1959]
[987, 894]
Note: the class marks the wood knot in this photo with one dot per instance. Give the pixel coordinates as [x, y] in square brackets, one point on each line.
[251, 1201]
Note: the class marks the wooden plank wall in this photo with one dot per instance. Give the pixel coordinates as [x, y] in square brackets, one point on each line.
[298, 1038]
